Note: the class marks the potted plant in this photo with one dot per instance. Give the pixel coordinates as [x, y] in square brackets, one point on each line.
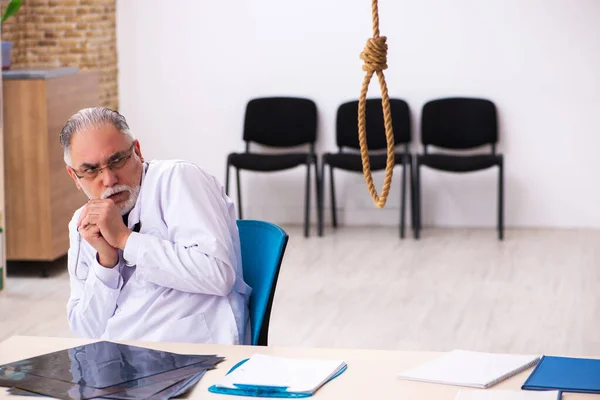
[11, 8]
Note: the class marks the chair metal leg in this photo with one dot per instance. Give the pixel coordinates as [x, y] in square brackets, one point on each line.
[318, 180]
[501, 201]
[403, 198]
[412, 195]
[417, 197]
[307, 200]
[239, 193]
[227, 179]
[333, 203]
[322, 191]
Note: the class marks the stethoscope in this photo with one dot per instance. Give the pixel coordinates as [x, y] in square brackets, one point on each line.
[77, 258]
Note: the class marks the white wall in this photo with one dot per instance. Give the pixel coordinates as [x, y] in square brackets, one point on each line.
[187, 73]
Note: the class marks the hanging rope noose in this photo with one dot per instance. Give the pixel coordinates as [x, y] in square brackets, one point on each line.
[375, 57]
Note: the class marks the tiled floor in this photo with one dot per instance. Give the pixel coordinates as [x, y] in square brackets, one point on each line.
[363, 287]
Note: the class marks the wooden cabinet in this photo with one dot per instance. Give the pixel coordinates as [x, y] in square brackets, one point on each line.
[40, 197]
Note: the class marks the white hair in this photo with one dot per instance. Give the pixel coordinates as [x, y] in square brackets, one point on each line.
[91, 118]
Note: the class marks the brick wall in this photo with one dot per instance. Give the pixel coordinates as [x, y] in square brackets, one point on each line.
[67, 33]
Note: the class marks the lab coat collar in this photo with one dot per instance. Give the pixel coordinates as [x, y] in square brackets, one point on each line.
[134, 214]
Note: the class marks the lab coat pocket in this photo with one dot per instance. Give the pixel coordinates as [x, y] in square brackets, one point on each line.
[192, 328]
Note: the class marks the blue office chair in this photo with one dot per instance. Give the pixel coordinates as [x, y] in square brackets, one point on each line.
[263, 245]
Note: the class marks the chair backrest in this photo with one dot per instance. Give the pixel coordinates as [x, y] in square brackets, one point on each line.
[262, 245]
[281, 121]
[347, 124]
[459, 123]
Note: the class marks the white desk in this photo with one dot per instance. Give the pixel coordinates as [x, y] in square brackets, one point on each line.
[371, 374]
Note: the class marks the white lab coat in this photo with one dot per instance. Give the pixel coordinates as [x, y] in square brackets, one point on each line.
[179, 279]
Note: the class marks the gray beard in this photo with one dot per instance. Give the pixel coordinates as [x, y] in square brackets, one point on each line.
[126, 206]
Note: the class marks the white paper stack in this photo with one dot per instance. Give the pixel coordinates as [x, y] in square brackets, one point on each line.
[291, 375]
[470, 368]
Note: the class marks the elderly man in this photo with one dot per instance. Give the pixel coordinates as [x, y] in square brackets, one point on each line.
[155, 252]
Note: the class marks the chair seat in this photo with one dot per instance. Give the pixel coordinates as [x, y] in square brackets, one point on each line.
[353, 162]
[267, 162]
[456, 163]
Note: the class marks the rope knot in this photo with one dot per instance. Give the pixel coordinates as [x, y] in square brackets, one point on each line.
[375, 54]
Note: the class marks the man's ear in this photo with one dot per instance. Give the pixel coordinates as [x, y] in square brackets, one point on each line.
[75, 179]
[136, 149]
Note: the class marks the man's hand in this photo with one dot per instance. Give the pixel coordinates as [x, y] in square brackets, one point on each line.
[105, 215]
[108, 256]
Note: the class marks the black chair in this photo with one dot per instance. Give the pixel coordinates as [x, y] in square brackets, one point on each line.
[278, 122]
[347, 137]
[459, 124]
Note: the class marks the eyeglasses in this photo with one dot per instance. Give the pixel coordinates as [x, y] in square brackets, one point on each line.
[92, 172]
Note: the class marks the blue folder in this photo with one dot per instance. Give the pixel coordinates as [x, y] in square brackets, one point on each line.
[577, 375]
[264, 391]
